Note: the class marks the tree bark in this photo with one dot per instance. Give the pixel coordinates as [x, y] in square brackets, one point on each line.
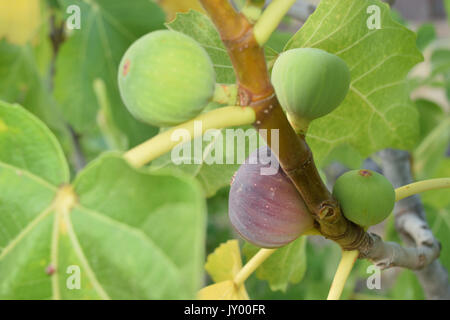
[410, 222]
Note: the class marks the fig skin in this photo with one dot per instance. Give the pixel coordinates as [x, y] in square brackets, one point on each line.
[166, 78]
[366, 197]
[310, 83]
[266, 210]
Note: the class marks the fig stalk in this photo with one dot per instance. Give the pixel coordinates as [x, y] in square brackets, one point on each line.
[346, 264]
[253, 264]
[421, 186]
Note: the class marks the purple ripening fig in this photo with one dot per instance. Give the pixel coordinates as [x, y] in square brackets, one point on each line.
[266, 210]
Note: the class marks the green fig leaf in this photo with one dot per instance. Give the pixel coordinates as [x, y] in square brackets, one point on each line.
[376, 113]
[116, 233]
[26, 144]
[426, 34]
[199, 27]
[439, 198]
[345, 155]
[438, 218]
[215, 165]
[278, 40]
[431, 114]
[430, 153]
[319, 275]
[148, 230]
[440, 61]
[440, 66]
[31, 166]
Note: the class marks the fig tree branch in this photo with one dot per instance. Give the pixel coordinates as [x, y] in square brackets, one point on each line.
[410, 221]
[296, 159]
[390, 254]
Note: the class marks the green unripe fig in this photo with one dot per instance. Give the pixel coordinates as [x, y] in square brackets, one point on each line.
[309, 84]
[166, 78]
[366, 197]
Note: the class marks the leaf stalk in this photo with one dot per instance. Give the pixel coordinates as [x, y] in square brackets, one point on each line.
[162, 143]
[252, 265]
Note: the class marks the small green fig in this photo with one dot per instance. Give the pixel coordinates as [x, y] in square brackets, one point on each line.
[309, 83]
[166, 78]
[366, 197]
[266, 210]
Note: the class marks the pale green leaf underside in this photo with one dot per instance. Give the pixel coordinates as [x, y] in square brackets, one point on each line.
[132, 234]
[376, 113]
[108, 27]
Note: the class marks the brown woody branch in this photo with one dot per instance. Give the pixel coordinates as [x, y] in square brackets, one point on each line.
[294, 154]
[391, 254]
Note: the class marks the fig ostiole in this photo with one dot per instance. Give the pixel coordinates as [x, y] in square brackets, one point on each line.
[366, 197]
[309, 84]
[166, 78]
[267, 210]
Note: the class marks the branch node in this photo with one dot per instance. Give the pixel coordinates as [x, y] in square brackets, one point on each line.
[327, 210]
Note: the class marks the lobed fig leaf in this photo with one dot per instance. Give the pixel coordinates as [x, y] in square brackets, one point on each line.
[309, 83]
[166, 78]
[266, 210]
[366, 197]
